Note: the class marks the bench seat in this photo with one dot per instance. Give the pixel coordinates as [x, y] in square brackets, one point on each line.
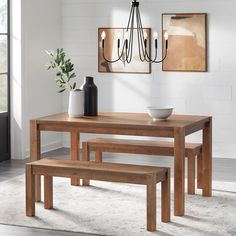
[160, 148]
[123, 173]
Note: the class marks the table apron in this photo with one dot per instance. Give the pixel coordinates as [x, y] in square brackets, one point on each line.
[195, 128]
[109, 130]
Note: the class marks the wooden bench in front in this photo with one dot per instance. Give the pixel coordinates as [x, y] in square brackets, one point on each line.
[124, 173]
[100, 145]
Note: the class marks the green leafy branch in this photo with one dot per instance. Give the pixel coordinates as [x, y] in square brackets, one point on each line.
[64, 70]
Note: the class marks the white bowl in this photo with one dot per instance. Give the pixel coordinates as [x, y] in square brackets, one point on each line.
[160, 113]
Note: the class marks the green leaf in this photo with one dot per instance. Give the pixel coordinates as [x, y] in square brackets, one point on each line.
[64, 69]
[72, 76]
[62, 90]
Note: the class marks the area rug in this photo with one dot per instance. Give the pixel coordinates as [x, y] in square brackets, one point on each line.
[119, 209]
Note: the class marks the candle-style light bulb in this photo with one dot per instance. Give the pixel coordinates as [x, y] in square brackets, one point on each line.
[145, 39]
[155, 35]
[166, 36]
[118, 35]
[103, 35]
[126, 35]
[145, 35]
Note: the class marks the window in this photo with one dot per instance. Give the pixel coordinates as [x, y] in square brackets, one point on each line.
[4, 52]
[4, 81]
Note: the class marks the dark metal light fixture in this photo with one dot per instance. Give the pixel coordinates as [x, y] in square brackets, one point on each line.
[125, 51]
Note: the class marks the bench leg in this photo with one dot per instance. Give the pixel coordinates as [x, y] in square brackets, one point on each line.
[48, 192]
[98, 157]
[86, 157]
[165, 198]
[199, 171]
[30, 191]
[151, 206]
[191, 173]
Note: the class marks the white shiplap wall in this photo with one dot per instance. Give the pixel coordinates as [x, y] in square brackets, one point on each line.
[212, 93]
[35, 26]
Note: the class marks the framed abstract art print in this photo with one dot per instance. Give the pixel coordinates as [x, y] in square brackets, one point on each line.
[187, 49]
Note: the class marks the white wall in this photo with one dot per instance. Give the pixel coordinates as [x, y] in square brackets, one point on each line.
[212, 93]
[36, 26]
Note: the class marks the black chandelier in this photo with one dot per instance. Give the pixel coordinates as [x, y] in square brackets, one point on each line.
[125, 51]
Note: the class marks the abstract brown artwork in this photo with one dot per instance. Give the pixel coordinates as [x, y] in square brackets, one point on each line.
[111, 53]
[187, 49]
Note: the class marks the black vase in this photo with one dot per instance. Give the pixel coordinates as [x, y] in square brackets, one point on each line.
[90, 97]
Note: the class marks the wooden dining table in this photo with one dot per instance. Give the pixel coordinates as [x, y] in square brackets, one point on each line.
[135, 124]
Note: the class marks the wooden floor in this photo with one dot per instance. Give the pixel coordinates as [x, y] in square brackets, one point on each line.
[223, 170]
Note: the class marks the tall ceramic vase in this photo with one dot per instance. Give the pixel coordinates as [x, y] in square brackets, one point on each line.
[76, 104]
[90, 97]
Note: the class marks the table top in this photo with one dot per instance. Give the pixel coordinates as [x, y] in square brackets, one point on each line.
[125, 120]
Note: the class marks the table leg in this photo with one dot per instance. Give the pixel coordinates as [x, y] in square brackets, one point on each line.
[75, 153]
[179, 164]
[207, 159]
[35, 155]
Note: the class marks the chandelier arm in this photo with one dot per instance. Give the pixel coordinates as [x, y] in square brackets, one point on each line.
[127, 28]
[130, 15]
[140, 42]
[141, 56]
[129, 56]
[122, 53]
[162, 58]
[131, 38]
[110, 61]
[146, 56]
[126, 55]
[150, 60]
[155, 55]
[141, 45]
[130, 30]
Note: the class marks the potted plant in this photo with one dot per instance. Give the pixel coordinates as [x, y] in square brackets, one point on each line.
[65, 79]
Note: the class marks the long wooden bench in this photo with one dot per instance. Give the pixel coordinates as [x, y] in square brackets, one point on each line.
[134, 174]
[161, 148]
